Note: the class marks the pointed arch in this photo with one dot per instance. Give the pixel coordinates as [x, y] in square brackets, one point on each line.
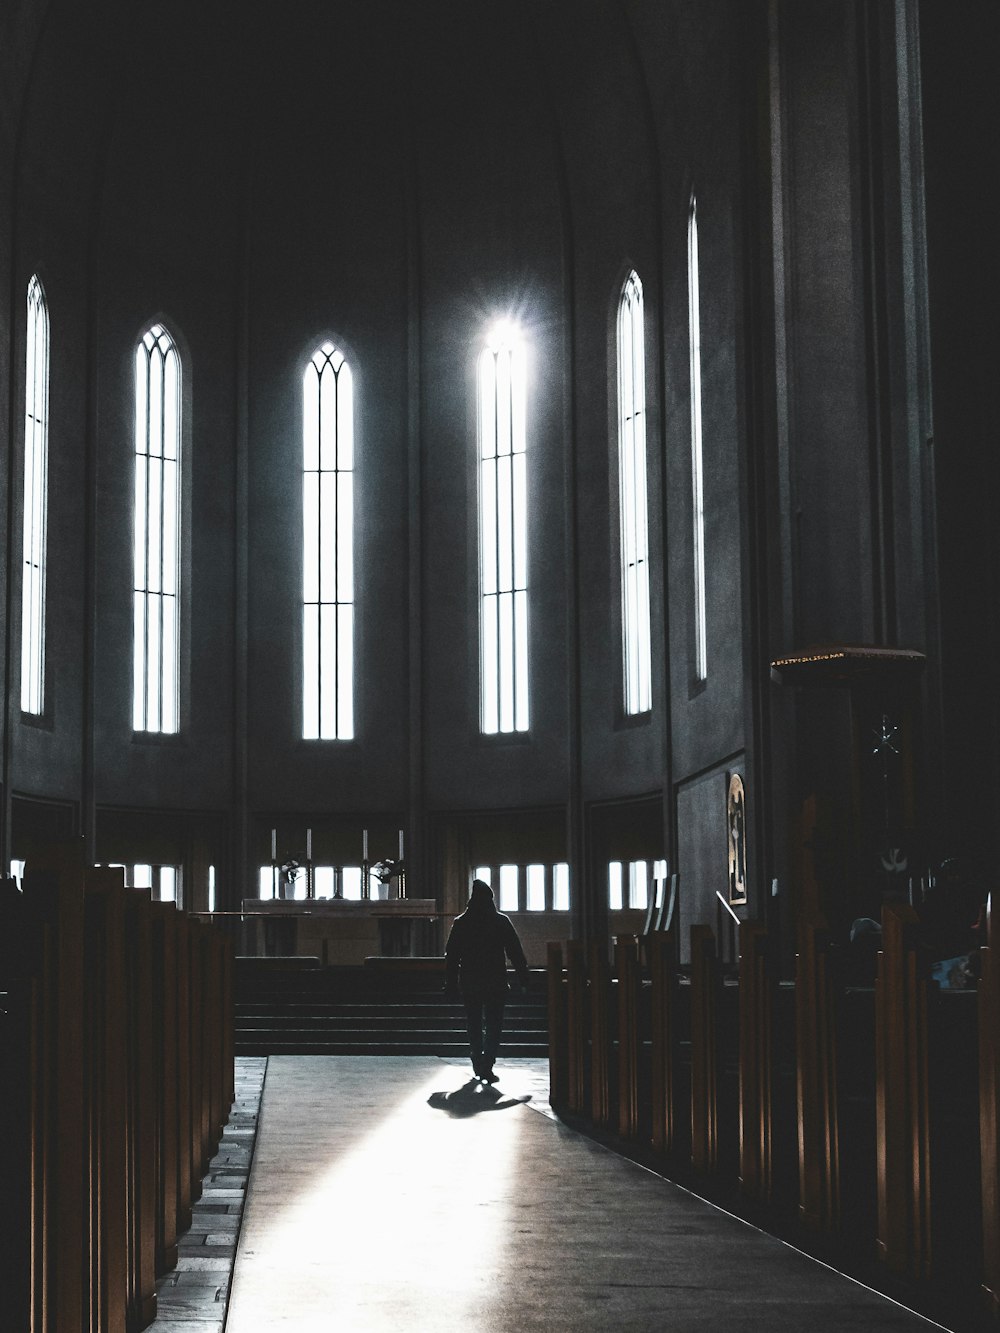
[632, 496]
[157, 532]
[36, 469]
[328, 546]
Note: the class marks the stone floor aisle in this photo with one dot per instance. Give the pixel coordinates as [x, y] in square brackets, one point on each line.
[192, 1298]
[393, 1194]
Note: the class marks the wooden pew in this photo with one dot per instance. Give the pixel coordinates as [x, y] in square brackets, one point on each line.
[199, 1019]
[220, 1106]
[165, 1047]
[188, 1180]
[903, 1166]
[576, 1027]
[54, 900]
[210, 1027]
[116, 1101]
[142, 1107]
[989, 1108]
[557, 1026]
[18, 1024]
[627, 968]
[816, 1081]
[705, 981]
[106, 1094]
[756, 1064]
[662, 952]
[229, 1001]
[600, 1033]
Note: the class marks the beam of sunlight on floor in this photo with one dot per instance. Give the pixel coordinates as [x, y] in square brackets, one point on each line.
[391, 1223]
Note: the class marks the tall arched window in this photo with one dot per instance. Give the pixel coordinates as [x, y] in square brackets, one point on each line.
[328, 547]
[156, 637]
[632, 498]
[36, 465]
[503, 534]
[697, 471]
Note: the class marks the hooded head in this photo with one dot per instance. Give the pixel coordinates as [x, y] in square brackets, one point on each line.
[481, 897]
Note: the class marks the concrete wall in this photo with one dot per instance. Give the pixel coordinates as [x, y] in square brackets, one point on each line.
[395, 181]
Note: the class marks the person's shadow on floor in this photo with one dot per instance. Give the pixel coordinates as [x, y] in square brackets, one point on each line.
[472, 1099]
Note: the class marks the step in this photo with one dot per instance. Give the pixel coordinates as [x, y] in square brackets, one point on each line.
[347, 1033]
[334, 995]
[457, 1050]
[249, 1022]
[382, 1011]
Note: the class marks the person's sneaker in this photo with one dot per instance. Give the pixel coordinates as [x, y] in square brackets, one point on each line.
[488, 1076]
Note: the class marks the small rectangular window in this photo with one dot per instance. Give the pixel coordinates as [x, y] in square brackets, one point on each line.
[615, 900]
[638, 884]
[352, 882]
[324, 881]
[211, 888]
[485, 873]
[508, 888]
[168, 884]
[560, 887]
[265, 883]
[536, 888]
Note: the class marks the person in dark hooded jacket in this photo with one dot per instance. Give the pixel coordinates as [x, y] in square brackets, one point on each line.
[481, 941]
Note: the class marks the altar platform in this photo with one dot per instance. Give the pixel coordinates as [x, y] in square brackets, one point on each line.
[341, 932]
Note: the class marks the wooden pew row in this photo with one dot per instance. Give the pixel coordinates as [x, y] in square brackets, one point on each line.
[704, 1053]
[628, 983]
[989, 1108]
[756, 1065]
[122, 1091]
[557, 1027]
[816, 1082]
[576, 1027]
[636, 1077]
[901, 1098]
[664, 1096]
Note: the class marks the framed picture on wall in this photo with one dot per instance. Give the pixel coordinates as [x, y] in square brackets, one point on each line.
[736, 826]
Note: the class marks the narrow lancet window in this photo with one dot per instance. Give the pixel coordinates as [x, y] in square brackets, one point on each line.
[36, 463]
[697, 470]
[632, 498]
[156, 637]
[503, 535]
[328, 547]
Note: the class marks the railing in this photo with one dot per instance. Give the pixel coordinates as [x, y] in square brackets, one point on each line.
[117, 1046]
